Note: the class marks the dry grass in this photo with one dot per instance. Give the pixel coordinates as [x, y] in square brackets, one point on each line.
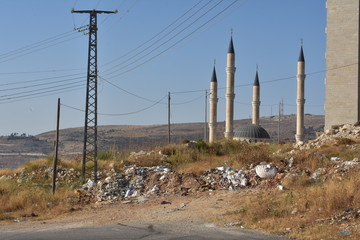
[270, 210]
[298, 207]
[17, 200]
[8, 172]
[201, 166]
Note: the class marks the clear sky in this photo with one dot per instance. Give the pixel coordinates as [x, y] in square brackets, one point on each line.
[150, 48]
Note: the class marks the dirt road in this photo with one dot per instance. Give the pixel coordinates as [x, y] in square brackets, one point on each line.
[198, 216]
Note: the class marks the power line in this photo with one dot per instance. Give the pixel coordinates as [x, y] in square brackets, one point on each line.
[152, 38]
[119, 114]
[126, 91]
[43, 79]
[42, 71]
[39, 49]
[182, 39]
[190, 101]
[40, 94]
[43, 90]
[41, 84]
[31, 48]
[18, 99]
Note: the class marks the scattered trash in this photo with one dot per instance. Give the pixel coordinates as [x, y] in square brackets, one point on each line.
[345, 232]
[265, 170]
[30, 215]
[232, 224]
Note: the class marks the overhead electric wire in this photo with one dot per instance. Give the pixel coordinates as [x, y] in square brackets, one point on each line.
[126, 91]
[44, 79]
[190, 101]
[42, 71]
[163, 43]
[30, 46]
[18, 99]
[123, 12]
[119, 114]
[39, 49]
[42, 89]
[157, 55]
[53, 91]
[159, 33]
[41, 84]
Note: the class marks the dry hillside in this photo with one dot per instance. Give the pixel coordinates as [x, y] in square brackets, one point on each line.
[135, 138]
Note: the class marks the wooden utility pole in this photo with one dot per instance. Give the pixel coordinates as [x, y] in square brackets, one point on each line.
[281, 112]
[56, 148]
[169, 98]
[90, 129]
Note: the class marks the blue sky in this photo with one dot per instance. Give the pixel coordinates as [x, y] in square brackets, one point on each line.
[42, 58]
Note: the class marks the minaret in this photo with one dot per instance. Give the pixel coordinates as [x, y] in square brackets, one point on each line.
[213, 107]
[300, 101]
[256, 100]
[230, 74]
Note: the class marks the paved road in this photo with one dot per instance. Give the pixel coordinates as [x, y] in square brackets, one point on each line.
[130, 232]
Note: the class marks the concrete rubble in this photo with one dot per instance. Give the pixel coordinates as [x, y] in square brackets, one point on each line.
[138, 184]
[348, 131]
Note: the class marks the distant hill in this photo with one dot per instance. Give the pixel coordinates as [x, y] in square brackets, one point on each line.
[15, 151]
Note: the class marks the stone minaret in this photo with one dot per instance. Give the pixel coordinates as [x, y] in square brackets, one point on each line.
[256, 100]
[230, 74]
[213, 107]
[300, 101]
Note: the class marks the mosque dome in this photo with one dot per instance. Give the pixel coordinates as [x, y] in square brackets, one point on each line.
[251, 133]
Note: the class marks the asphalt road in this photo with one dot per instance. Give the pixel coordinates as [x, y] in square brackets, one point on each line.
[130, 232]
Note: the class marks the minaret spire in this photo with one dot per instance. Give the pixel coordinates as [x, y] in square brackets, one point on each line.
[300, 100]
[213, 99]
[256, 99]
[230, 96]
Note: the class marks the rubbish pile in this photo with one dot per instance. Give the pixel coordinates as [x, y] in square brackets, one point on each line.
[64, 175]
[141, 183]
[351, 131]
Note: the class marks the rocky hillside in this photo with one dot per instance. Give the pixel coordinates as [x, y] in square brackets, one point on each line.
[15, 151]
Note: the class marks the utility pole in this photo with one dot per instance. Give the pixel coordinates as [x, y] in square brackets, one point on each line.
[169, 98]
[89, 161]
[281, 112]
[56, 148]
[205, 122]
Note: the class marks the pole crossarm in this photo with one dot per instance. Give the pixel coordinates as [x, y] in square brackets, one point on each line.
[89, 162]
[93, 11]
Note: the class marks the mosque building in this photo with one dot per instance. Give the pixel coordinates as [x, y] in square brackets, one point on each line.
[251, 132]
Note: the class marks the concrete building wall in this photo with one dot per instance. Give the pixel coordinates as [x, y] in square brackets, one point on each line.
[342, 63]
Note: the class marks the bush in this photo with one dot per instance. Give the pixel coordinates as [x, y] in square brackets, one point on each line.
[344, 141]
[201, 145]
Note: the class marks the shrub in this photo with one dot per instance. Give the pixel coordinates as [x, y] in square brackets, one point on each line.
[344, 141]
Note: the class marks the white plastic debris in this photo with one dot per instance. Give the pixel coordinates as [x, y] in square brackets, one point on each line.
[335, 159]
[265, 170]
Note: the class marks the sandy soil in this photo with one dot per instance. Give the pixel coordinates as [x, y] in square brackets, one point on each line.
[198, 208]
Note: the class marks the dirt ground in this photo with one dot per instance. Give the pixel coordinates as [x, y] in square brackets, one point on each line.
[199, 208]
